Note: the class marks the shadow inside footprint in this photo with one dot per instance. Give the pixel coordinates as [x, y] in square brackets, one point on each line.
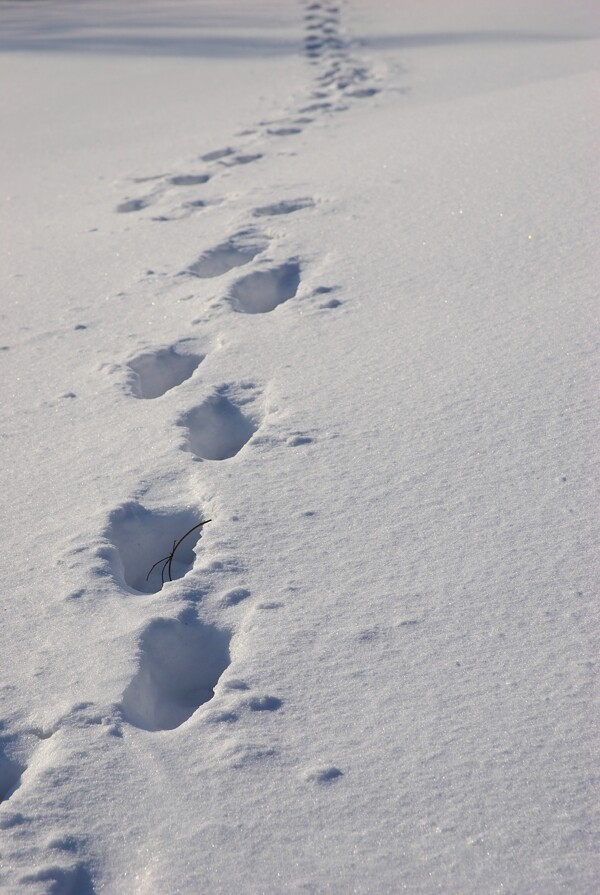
[156, 372]
[179, 666]
[238, 250]
[62, 880]
[10, 775]
[217, 429]
[264, 290]
[142, 537]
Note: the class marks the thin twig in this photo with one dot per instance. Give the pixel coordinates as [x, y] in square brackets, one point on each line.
[168, 560]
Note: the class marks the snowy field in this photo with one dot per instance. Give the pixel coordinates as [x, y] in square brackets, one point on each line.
[322, 272]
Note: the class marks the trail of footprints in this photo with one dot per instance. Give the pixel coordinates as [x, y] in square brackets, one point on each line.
[338, 79]
[182, 659]
[172, 682]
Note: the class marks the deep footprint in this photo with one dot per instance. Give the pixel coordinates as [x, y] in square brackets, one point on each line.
[217, 429]
[143, 537]
[235, 252]
[157, 372]
[263, 290]
[179, 666]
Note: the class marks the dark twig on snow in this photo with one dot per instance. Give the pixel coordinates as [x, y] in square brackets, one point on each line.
[168, 560]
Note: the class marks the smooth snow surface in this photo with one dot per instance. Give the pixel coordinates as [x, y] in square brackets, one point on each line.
[325, 274]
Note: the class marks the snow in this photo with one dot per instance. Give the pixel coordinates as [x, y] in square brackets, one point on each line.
[325, 275]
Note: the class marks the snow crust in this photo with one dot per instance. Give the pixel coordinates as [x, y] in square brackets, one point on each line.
[324, 274]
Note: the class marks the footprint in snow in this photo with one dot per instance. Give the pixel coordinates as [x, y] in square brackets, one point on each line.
[219, 427]
[142, 538]
[235, 252]
[322, 774]
[363, 92]
[235, 596]
[264, 704]
[189, 179]
[283, 131]
[130, 205]
[245, 755]
[180, 663]
[299, 439]
[242, 159]
[263, 290]
[316, 107]
[286, 206]
[153, 373]
[217, 154]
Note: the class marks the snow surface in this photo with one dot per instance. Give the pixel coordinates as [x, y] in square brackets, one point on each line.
[325, 274]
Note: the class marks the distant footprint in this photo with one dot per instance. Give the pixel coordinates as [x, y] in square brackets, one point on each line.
[180, 663]
[235, 596]
[142, 537]
[130, 205]
[189, 179]
[363, 92]
[322, 774]
[283, 131]
[217, 154]
[235, 252]
[316, 107]
[263, 290]
[218, 428]
[242, 159]
[264, 704]
[287, 206]
[156, 372]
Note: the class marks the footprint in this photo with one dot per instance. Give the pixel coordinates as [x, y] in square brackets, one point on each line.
[133, 205]
[156, 372]
[299, 439]
[283, 131]
[263, 290]
[217, 154]
[195, 203]
[264, 704]
[242, 159]
[143, 537]
[235, 596]
[217, 429]
[325, 774]
[237, 251]
[189, 179]
[316, 107]
[287, 206]
[363, 92]
[180, 664]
